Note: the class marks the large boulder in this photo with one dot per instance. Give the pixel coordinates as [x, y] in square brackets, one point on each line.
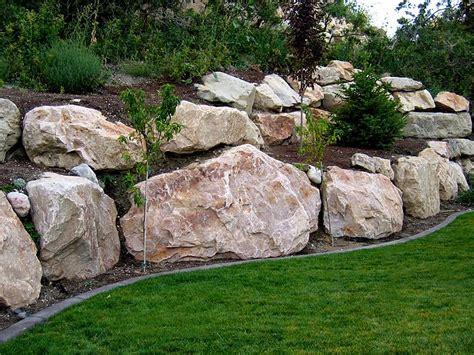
[20, 269]
[450, 175]
[333, 96]
[66, 136]
[326, 76]
[313, 95]
[402, 84]
[225, 88]
[288, 97]
[414, 101]
[445, 149]
[204, 127]
[448, 101]
[275, 128]
[360, 205]
[418, 180]
[373, 164]
[437, 125]
[345, 69]
[10, 130]
[77, 224]
[241, 205]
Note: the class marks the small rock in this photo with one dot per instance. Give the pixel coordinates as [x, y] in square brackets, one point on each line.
[315, 175]
[448, 101]
[373, 164]
[84, 170]
[20, 203]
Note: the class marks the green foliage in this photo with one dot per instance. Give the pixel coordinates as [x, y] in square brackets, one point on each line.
[467, 198]
[411, 298]
[369, 117]
[24, 36]
[71, 67]
[31, 230]
[7, 188]
[316, 136]
[153, 127]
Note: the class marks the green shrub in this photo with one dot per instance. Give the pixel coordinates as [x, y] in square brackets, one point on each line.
[369, 117]
[71, 67]
[467, 198]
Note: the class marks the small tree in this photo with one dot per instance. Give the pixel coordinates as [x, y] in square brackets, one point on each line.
[370, 117]
[305, 40]
[153, 126]
[315, 137]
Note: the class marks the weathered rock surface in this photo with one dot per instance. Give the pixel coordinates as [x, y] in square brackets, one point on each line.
[280, 87]
[373, 164]
[66, 136]
[414, 101]
[225, 88]
[242, 205]
[314, 95]
[402, 84]
[266, 99]
[326, 76]
[437, 125]
[333, 96]
[444, 149]
[360, 205]
[84, 170]
[448, 101]
[465, 146]
[315, 175]
[204, 127]
[20, 203]
[418, 180]
[76, 221]
[345, 69]
[20, 269]
[467, 165]
[10, 130]
[275, 128]
[450, 175]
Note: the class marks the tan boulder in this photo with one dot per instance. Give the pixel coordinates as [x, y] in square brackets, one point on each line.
[225, 88]
[373, 164]
[242, 204]
[443, 149]
[77, 224]
[326, 76]
[448, 101]
[345, 69]
[275, 128]
[450, 175]
[266, 99]
[20, 269]
[418, 180]
[10, 123]
[402, 84]
[414, 101]
[288, 97]
[66, 136]
[333, 96]
[438, 125]
[314, 95]
[360, 205]
[466, 164]
[204, 127]
[465, 146]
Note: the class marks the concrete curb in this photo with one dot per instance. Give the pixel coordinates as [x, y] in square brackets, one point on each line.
[43, 315]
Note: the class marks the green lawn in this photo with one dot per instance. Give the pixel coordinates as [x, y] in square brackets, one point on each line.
[415, 297]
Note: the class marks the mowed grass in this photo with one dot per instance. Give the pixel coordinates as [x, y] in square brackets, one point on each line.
[415, 297]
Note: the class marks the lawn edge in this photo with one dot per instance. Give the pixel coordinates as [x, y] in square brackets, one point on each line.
[42, 316]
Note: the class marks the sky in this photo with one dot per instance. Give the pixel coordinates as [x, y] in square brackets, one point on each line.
[383, 12]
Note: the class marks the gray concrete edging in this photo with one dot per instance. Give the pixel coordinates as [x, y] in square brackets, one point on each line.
[43, 315]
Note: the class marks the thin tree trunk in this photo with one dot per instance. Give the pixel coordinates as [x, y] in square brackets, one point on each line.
[145, 212]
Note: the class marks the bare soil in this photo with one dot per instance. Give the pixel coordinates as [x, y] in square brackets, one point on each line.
[108, 102]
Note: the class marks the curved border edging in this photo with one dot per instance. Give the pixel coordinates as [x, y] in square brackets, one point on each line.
[43, 315]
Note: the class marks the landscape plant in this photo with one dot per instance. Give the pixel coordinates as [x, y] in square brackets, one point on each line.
[69, 66]
[369, 116]
[153, 127]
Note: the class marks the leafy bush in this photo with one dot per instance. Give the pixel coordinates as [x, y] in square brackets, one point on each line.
[71, 67]
[316, 136]
[467, 198]
[369, 117]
